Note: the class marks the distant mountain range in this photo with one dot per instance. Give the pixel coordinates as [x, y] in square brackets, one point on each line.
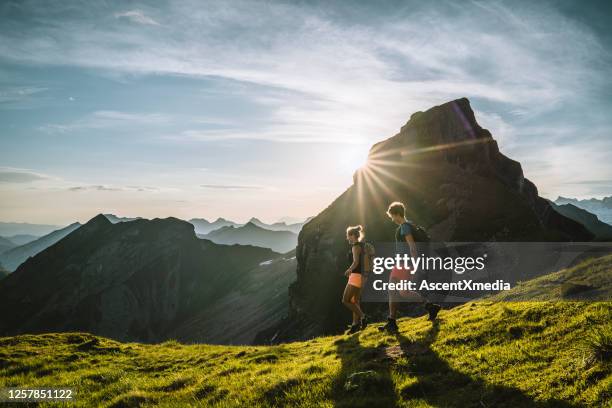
[203, 226]
[252, 234]
[281, 225]
[8, 229]
[114, 219]
[600, 207]
[601, 230]
[21, 239]
[6, 244]
[146, 280]
[12, 258]
[17, 248]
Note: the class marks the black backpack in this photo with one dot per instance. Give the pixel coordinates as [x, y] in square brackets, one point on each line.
[418, 233]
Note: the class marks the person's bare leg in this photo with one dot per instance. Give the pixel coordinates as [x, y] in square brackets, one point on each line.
[347, 299]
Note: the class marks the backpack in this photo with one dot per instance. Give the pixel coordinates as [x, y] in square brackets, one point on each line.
[418, 233]
[368, 253]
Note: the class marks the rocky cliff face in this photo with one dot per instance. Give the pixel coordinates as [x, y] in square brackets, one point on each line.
[138, 280]
[456, 183]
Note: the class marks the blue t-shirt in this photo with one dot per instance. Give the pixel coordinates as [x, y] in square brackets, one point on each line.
[400, 237]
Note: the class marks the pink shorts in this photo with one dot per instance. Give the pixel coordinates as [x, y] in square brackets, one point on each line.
[355, 280]
[401, 274]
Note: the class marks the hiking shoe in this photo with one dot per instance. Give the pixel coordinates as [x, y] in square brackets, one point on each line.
[390, 326]
[364, 322]
[432, 309]
[353, 329]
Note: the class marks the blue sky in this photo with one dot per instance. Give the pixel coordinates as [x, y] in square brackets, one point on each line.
[246, 108]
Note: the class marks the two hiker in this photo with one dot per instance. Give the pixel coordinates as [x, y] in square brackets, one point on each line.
[360, 262]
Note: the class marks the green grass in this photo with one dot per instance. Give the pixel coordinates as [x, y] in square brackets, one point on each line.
[481, 354]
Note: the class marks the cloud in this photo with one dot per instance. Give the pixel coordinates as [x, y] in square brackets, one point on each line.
[345, 79]
[137, 16]
[104, 119]
[100, 187]
[232, 187]
[13, 175]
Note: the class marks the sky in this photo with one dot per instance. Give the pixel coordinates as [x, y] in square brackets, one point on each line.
[246, 108]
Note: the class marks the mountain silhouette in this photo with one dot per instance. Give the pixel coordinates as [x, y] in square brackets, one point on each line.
[252, 234]
[136, 281]
[14, 257]
[455, 182]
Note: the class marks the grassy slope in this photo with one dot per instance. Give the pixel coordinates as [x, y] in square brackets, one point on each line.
[482, 354]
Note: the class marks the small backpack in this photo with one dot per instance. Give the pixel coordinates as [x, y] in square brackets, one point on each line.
[418, 233]
[368, 253]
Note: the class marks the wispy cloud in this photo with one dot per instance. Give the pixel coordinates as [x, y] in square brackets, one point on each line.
[101, 187]
[137, 16]
[15, 175]
[108, 119]
[355, 80]
[232, 187]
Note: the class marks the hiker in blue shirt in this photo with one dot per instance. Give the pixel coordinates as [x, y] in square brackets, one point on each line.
[403, 236]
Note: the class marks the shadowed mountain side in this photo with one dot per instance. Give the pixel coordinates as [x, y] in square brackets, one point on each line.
[251, 234]
[455, 182]
[12, 258]
[135, 280]
[257, 300]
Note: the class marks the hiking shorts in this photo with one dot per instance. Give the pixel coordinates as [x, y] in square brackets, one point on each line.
[355, 280]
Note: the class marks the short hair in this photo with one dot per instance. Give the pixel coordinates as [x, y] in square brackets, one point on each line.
[396, 208]
[356, 231]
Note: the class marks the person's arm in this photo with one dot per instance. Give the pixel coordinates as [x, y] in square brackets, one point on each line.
[356, 252]
[411, 245]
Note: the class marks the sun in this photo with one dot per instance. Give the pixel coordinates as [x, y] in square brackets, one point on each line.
[351, 158]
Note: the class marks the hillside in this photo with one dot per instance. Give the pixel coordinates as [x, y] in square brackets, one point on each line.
[482, 354]
[260, 300]
[137, 280]
[251, 234]
[12, 258]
